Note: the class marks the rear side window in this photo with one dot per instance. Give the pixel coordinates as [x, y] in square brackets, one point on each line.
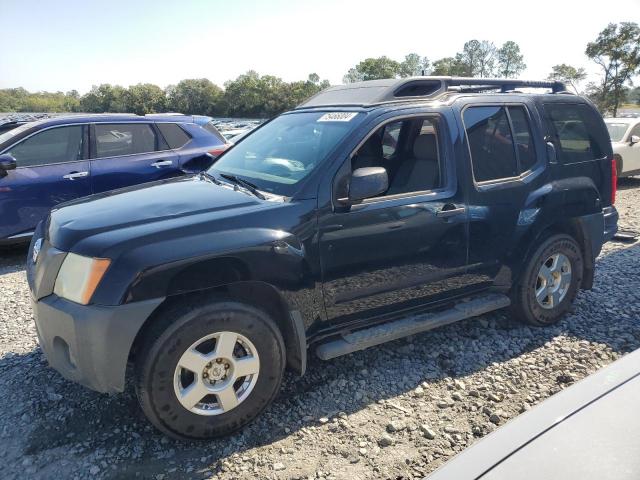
[175, 136]
[211, 128]
[124, 139]
[523, 137]
[491, 143]
[55, 145]
[577, 131]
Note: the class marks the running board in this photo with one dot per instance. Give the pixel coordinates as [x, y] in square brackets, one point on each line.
[386, 332]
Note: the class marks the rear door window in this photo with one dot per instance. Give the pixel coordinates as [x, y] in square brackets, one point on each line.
[175, 136]
[490, 143]
[55, 145]
[211, 128]
[523, 137]
[577, 132]
[116, 139]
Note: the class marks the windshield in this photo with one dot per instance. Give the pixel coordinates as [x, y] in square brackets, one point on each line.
[8, 135]
[617, 131]
[279, 155]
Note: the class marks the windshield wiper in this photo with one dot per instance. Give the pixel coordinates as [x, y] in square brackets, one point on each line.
[245, 183]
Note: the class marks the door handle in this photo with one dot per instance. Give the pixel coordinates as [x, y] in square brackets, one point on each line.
[162, 163]
[74, 175]
[450, 210]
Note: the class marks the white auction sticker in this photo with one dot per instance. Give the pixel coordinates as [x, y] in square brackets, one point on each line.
[337, 117]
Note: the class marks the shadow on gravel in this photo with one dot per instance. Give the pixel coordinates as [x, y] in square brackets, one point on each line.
[12, 258]
[81, 422]
[628, 183]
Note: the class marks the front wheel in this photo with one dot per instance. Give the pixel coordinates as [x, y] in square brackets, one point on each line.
[550, 281]
[206, 370]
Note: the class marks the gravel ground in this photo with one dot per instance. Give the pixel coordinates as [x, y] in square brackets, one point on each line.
[396, 411]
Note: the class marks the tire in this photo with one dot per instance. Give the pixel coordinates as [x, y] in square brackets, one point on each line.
[556, 300]
[618, 166]
[210, 326]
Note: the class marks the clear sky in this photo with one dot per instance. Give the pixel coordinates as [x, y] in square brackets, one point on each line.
[73, 44]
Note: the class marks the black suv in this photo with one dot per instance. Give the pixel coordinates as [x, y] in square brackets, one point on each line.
[373, 211]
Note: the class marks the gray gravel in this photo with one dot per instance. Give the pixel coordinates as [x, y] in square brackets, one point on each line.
[396, 411]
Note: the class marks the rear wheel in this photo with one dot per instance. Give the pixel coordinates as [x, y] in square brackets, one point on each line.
[207, 370]
[550, 281]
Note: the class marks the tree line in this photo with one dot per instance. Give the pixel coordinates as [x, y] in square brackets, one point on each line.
[478, 58]
[249, 95]
[616, 51]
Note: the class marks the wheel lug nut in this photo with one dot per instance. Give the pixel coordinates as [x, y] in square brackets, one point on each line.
[218, 360]
[226, 366]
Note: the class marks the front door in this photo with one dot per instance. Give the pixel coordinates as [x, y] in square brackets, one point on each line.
[407, 247]
[125, 154]
[51, 168]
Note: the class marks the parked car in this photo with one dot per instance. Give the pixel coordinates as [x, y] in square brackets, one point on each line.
[58, 159]
[373, 211]
[589, 431]
[625, 141]
[7, 124]
[236, 134]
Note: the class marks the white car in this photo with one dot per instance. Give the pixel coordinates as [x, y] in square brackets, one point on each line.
[625, 140]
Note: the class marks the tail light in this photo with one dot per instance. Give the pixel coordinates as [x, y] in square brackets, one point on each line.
[219, 149]
[614, 180]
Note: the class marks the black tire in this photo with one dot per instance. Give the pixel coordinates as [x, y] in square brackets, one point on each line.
[618, 166]
[177, 328]
[524, 304]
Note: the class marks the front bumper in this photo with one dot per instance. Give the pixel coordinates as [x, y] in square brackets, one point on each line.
[610, 222]
[90, 344]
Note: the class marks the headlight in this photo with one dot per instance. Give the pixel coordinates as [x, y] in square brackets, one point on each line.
[79, 277]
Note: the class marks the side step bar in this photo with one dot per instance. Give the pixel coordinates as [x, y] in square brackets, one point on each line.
[386, 332]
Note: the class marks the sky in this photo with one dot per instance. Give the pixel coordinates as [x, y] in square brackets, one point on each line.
[59, 45]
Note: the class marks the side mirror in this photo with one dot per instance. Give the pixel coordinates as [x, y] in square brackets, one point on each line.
[552, 155]
[7, 162]
[367, 182]
[634, 139]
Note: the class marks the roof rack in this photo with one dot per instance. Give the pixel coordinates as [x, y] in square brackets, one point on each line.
[375, 92]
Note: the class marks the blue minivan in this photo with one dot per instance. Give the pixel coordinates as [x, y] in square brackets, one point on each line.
[51, 161]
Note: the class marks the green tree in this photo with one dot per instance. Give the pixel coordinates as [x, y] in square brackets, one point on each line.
[617, 52]
[478, 58]
[413, 65]
[145, 98]
[105, 98]
[510, 60]
[568, 75]
[195, 96]
[373, 69]
[253, 95]
[449, 66]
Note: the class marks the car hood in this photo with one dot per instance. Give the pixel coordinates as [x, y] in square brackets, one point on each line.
[145, 209]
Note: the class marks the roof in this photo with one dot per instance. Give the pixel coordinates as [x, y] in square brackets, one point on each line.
[111, 117]
[376, 92]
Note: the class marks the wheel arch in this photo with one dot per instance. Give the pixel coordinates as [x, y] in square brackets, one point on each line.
[582, 229]
[252, 292]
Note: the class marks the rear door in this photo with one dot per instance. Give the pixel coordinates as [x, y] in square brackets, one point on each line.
[507, 163]
[124, 154]
[52, 167]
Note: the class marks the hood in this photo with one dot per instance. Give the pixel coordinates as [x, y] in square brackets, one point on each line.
[146, 209]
